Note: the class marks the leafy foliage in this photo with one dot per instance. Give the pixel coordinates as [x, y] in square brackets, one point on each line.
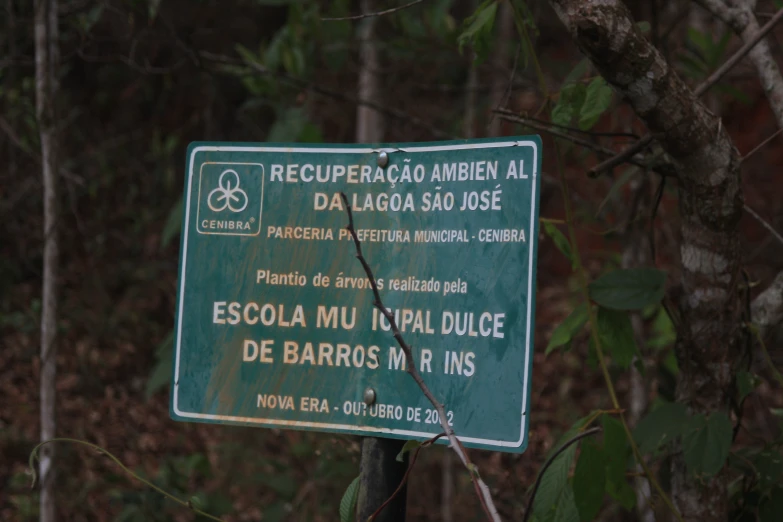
[561, 242]
[629, 288]
[590, 480]
[553, 483]
[617, 451]
[477, 29]
[598, 98]
[616, 332]
[407, 448]
[569, 104]
[577, 101]
[706, 443]
[348, 502]
[568, 328]
[661, 426]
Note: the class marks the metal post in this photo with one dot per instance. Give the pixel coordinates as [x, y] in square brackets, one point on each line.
[380, 475]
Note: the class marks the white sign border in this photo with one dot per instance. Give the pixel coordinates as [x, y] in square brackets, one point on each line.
[348, 427]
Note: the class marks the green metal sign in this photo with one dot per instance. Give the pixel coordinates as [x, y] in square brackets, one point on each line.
[275, 323]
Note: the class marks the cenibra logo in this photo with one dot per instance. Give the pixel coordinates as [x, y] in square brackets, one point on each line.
[228, 195]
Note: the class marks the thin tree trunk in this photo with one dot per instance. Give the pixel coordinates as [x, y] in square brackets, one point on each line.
[46, 59]
[471, 89]
[369, 122]
[379, 470]
[468, 131]
[500, 59]
[636, 254]
[708, 347]
[11, 79]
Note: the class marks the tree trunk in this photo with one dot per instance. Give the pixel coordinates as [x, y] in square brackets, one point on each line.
[500, 59]
[46, 58]
[369, 122]
[708, 346]
[380, 472]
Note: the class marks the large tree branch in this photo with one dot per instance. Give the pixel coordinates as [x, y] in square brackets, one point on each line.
[701, 89]
[738, 14]
[709, 347]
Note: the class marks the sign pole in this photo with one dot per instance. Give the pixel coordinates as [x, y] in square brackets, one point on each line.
[380, 475]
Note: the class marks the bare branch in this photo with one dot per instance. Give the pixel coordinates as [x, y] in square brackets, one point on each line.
[481, 488]
[701, 89]
[377, 13]
[764, 223]
[761, 145]
[621, 157]
[738, 14]
[664, 169]
[404, 480]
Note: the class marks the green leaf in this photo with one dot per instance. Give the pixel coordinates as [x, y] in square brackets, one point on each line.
[746, 383]
[628, 289]
[616, 449]
[246, 54]
[569, 104]
[196, 502]
[559, 239]
[578, 72]
[661, 426]
[616, 333]
[590, 481]
[478, 29]
[348, 502]
[643, 26]
[568, 328]
[720, 49]
[173, 224]
[701, 40]
[706, 448]
[623, 493]
[553, 482]
[408, 447]
[566, 508]
[597, 100]
[663, 333]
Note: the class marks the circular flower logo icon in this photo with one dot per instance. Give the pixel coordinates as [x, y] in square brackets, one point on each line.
[227, 194]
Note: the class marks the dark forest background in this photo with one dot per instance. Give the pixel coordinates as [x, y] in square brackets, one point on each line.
[140, 79]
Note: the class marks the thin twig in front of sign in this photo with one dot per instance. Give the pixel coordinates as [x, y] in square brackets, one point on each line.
[404, 480]
[481, 488]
